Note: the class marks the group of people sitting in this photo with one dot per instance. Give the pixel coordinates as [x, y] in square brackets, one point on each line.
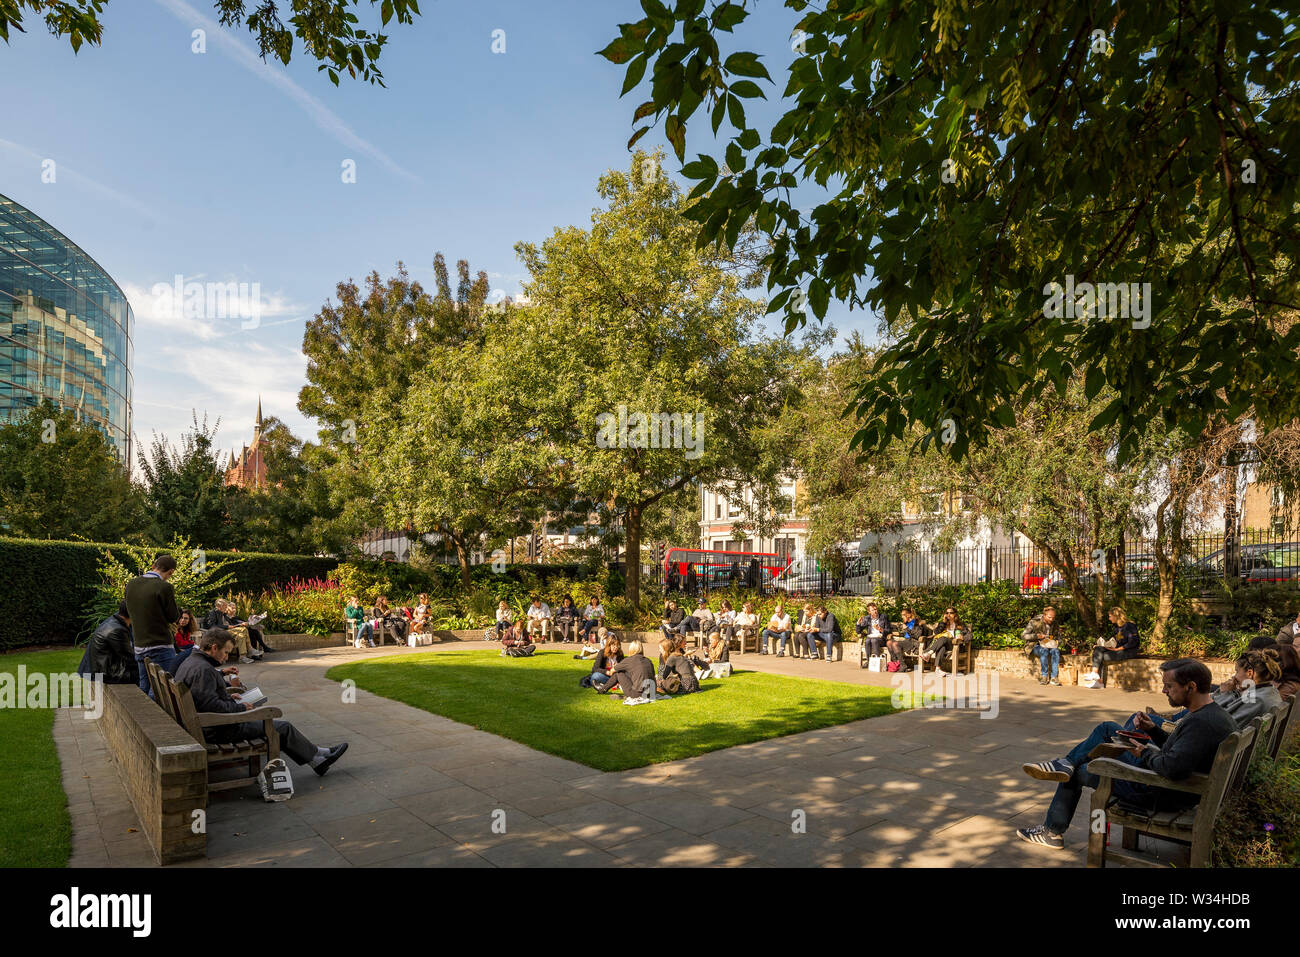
[1118, 642]
[567, 623]
[624, 669]
[399, 622]
[149, 627]
[928, 644]
[1174, 746]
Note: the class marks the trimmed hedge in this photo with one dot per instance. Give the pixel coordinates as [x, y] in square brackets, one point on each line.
[48, 583]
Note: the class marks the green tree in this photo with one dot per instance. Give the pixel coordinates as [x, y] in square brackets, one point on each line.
[62, 479]
[185, 489]
[972, 156]
[327, 29]
[648, 346]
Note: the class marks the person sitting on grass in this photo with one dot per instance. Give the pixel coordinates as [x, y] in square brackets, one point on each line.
[778, 629]
[109, 652]
[602, 668]
[950, 633]
[539, 619]
[517, 641]
[681, 664]
[873, 630]
[1189, 748]
[201, 673]
[566, 620]
[362, 631]
[633, 673]
[1123, 644]
[592, 615]
[717, 651]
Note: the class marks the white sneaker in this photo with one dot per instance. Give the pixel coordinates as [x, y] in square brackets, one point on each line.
[940, 672]
[1092, 676]
[1094, 685]
[245, 660]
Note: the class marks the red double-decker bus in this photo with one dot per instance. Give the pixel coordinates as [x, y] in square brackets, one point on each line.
[718, 569]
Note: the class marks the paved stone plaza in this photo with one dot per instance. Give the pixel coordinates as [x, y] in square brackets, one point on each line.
[929, 787]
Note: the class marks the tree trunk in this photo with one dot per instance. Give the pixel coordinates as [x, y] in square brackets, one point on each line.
[1064, 563]
[462, 557]
[632, 557]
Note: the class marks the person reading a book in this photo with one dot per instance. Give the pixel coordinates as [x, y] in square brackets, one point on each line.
[1189, 748]
[201, 673]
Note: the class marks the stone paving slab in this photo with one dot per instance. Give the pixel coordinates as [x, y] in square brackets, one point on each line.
[928, 787]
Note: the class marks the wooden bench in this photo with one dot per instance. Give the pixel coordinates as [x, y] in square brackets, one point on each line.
[1193, 827]
[1281, 727]
[175, 699]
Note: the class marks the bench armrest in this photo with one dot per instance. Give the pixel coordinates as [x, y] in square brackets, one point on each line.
[212, 719]
[1118, 770]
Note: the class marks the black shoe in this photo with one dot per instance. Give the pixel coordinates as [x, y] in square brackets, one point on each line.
[267, 649]
[336, 752]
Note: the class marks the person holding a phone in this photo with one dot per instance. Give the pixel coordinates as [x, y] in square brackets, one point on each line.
[1041, 637]
[1189, 748]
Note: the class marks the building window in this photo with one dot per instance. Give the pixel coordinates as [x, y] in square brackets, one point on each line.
[717, 507]
[785, 548]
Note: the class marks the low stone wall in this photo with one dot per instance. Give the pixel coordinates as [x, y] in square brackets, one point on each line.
[164, 770]
[1135, 674]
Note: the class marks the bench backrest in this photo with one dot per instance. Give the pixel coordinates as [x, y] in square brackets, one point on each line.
[1281, 727]
[1229, 766]
[176, 700]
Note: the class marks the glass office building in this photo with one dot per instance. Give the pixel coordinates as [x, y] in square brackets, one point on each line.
[65, 328]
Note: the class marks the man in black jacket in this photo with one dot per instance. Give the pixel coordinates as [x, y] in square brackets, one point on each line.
[109, 652]
[1189, 748]
[200, 672]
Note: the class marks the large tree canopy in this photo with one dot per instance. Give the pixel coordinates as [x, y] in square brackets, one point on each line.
[974, 155]
[328, 30]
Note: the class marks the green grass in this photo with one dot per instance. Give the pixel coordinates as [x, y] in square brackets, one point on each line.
[35, 830]
[536, 701]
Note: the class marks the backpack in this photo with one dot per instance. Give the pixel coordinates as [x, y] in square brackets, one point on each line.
[670, 683]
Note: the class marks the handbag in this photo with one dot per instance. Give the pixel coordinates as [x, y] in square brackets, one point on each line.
[892, 667]
[275, 781]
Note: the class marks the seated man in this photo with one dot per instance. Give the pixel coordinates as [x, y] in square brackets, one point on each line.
[110, 653]
[201, 673]
[778, 629]
[745, 624]
[672, 620]
[1286, 636]
[539, 618]
[1188, 749]
[828, 631]
[1042, 639]
[873, 630]
[1250, 692]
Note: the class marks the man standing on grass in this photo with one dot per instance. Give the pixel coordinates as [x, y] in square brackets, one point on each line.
[151, 604]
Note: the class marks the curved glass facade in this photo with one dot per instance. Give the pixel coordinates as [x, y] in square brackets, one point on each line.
[65, 328]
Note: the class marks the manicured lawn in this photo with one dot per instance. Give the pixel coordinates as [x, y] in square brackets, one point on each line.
[536, 701]
[35, 830]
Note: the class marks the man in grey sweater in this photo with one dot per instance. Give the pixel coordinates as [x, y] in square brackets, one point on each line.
[200, 672]
[1188, 749]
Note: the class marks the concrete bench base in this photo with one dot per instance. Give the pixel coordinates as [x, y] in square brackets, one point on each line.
[164, 771]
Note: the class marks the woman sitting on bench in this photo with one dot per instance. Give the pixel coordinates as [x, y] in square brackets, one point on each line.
[949, 634]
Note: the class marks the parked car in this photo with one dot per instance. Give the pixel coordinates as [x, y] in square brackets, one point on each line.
[805, 577]
[1258, 564]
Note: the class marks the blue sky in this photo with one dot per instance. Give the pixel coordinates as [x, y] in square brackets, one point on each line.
[220, 168]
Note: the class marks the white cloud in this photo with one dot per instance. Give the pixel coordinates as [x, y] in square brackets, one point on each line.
[156, 306]
[65, 173]
[319, 113]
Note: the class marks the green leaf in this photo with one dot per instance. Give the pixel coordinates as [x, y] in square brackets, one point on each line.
[675, 131]
[619, 51]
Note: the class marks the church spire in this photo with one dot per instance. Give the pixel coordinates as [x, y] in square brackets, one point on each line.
[259, 415]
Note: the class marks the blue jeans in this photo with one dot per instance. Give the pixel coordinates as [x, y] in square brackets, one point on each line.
[365, 631]
[828, 639]
[1052, 655]
[782, 635]
[164, 656]
[1066, 800]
